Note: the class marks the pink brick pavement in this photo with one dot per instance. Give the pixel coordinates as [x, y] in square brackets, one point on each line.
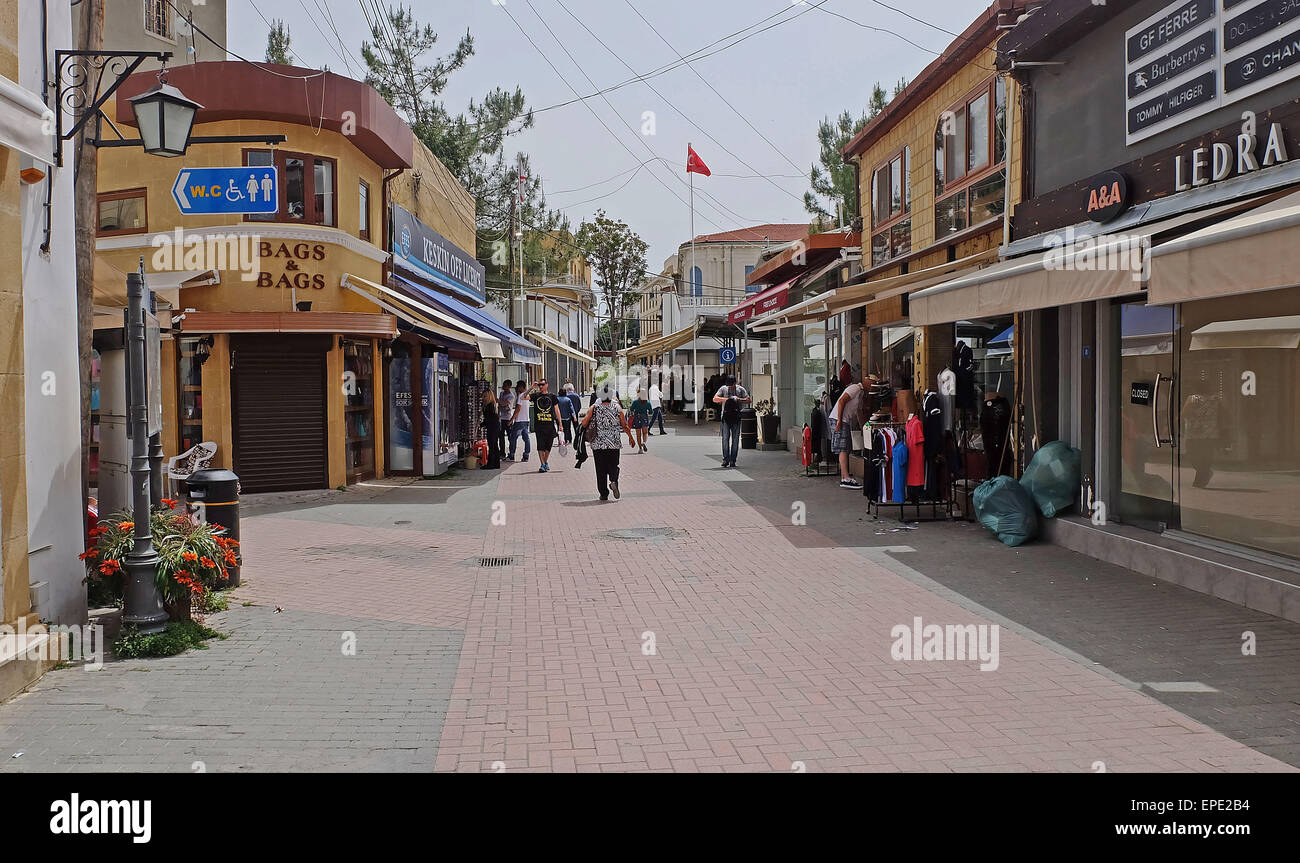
[766, 653]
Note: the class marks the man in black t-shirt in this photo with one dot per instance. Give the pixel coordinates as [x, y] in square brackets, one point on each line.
[546, 425]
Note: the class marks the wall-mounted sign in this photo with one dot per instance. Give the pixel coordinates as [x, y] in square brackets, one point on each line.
[1189, 59]
[1139, 392]
[423, 251]
[1222, 160]
[1107, 196]
[207, 191]
[294, 256]
[727, 355]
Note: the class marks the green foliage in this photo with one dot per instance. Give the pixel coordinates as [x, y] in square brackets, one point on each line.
[832, 180]
[209, 602]
[617, 256]
[180, 635]
[277, 44]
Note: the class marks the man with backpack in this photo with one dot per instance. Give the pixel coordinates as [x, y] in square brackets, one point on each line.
[732, 397]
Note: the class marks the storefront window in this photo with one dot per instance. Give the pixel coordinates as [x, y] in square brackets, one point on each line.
[813, 379]
[991, 341]
[401, 409]
[193, 351]
[891, 355]
[358, 409]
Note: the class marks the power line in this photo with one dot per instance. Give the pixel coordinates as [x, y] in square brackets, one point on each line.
[271, 26]
[670, 104]
[329, 19]
[262, 66]
[904, 38]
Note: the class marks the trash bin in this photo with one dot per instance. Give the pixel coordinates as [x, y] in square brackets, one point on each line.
[218, 493]
[748, 429]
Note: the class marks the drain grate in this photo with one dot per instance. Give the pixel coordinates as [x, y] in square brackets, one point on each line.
[497, 562]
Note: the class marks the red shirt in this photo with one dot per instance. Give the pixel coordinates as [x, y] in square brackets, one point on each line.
[915, 451]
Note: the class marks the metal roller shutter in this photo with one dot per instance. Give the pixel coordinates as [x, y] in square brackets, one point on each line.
[278, 412]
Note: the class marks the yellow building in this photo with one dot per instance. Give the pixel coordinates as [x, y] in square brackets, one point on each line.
[293, 329]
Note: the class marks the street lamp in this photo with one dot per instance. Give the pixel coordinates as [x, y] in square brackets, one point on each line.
[164, 116]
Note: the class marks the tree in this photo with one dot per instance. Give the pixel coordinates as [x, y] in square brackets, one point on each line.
[834, 179]
[617, 256]
[277, 44]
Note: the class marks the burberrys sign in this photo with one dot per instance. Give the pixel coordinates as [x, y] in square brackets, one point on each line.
[1222, 160]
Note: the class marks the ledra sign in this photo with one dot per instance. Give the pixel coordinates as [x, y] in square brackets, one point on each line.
[1194, 56]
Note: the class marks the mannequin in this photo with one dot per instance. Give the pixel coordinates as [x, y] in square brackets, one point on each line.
[995, 422]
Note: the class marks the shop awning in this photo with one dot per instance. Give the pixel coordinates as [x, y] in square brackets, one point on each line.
[1256, 251]
[422, 316]
[663, 344]
[23, 122]
[560, 346]
[1279, 333]
[812, 309]
[344, 323]
[761, 303]
[521, 350]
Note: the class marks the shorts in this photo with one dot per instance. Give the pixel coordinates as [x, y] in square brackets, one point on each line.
[640, 422]
[545, 437]
[842, 440]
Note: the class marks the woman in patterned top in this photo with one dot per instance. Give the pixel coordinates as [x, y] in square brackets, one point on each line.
[610, 422]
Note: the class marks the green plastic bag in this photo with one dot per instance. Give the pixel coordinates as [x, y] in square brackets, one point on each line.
[1052, 478]
[1004, 507]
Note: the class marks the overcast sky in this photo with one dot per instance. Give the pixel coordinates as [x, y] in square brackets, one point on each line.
[782, 81]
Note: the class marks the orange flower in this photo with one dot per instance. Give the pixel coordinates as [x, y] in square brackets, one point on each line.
[92, 553]
[189, 556]
[126, 525]
[208, 562]
[170, 502]
[99, 530]
[109, 567]
[182, 574]
[229, 558]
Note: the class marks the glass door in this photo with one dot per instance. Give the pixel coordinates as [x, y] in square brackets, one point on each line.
[1147, 392]
[401, 412]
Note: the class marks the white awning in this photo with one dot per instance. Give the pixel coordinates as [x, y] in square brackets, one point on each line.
[562, 347]
[663, 344]
[422, 316]
[26, 124]
[1279, 333]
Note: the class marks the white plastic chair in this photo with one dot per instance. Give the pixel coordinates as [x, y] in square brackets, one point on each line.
[193, 460]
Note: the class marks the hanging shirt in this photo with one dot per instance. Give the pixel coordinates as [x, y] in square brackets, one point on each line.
[915, 451]
[947, 396]
[900, 472]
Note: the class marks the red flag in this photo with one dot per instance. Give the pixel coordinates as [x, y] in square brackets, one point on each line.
[694, 163]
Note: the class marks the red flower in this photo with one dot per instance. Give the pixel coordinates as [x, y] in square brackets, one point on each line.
[85, 555]
[99, 530]
[208, 562]
[229, 558]
[109, 567]
[170, 502]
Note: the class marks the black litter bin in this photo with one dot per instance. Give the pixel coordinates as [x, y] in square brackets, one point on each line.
[748, 429]
[218, 492]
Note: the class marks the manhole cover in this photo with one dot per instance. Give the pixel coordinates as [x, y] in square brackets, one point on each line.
[643, 533]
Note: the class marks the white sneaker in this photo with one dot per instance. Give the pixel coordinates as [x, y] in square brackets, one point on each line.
[850, 483]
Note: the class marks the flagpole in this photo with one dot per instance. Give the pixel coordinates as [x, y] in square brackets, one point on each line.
[695, 309]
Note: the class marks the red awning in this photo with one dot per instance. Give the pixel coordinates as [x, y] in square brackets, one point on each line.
[761, 303]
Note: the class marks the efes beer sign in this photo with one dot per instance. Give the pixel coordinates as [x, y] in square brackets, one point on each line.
[1194, 56]
[1107, 196]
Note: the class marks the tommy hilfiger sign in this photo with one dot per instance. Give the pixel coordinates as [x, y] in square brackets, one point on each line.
[1192, 57]
[1222, 160]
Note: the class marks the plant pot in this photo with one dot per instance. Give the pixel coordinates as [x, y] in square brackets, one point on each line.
[471, 462]
[180, 609]
[771, 426]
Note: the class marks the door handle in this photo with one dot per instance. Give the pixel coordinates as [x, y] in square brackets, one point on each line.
[1155, 409]
[1170, 440]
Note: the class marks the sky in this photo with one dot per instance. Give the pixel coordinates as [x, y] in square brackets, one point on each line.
[761, 99]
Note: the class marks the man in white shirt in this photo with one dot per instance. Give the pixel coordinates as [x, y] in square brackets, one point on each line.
[848, 414]
[732, 397]
[657, 408]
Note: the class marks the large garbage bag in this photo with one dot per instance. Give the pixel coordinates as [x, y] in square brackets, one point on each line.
[1052, 478]
[1004, 506]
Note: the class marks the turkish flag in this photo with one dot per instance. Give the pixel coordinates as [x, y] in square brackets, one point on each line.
[694, 163]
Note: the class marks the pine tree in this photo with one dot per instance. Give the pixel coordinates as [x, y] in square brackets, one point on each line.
[277, 44]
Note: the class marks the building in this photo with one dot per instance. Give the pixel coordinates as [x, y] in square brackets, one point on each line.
[1156, 243]
[710, 278]
[155, 25]
[41, 511]
[336, 339]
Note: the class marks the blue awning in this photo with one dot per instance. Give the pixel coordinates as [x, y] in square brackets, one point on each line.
[448, 284]
[521, 350]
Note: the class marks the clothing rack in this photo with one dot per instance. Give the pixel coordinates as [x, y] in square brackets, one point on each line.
[925, 510]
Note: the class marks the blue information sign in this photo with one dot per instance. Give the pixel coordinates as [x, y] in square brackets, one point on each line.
[205, 191]
[727, 355]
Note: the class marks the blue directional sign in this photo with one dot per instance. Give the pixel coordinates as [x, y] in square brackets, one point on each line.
[205, 191]
[727, 355]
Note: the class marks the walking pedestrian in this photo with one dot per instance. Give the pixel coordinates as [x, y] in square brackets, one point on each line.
[657, 409]
[519, 420]
[610, 421]
[505, 414]
[640, 410]
[731, 396]
[492, 430]
[566, 414]
[579, 440]
[547, 427]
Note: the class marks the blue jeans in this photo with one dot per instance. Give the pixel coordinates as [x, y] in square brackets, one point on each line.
[730, 442]
[516, 431]
[658, 417]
